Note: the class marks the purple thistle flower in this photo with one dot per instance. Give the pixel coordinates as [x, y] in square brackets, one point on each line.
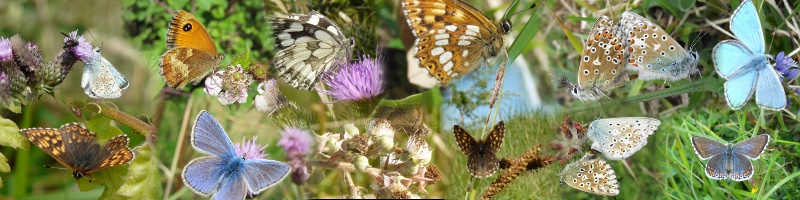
[297, 143]
[249, 149]
[784, 64]
[5, 49]
[360, 80]
[5, 88]
[77, 46]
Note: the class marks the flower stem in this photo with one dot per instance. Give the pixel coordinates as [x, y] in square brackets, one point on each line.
[117, 115]
[181, 136]
[703, 84]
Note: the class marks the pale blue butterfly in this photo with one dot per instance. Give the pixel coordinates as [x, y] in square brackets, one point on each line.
[731, 161]
[619, 138]
[100, 78]
[745, 65]
[652, 52]
[224, 174]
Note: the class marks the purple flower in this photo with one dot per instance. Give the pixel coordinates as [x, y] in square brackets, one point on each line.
[5, 88]
[250, 150]
[214, 83]
[269, 98]
[77, 46]
[5, 49]
[297, 143]
[784, 65]
[360, 80]
[229, 85]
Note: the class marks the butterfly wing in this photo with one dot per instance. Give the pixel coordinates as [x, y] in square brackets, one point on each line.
[204, 174]
[102, 80]
[186, 32]
[209, 138]
[769, 90]
[706, 148]
[739, 90]
[741, 168]
[262, 174]
[50, 141]
[80, 147]
[308, 46]
[233, 187]
[619, 138]
[453, 38]
[652, 52]
[716, 167]
[191, 53]
[482, 164]
[465, 141]
[752, 147]
[495, 138]
[115, 152]
[601, 66]
[592, 175]
[746, 26]
[730, 57]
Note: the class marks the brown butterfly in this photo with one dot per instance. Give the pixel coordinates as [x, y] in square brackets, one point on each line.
[482, 159]
[191, 53]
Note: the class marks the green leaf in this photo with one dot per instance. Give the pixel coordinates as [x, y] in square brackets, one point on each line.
[101, 125]
[4, 167]
[9, 132]
[243, 59]
[143, 179]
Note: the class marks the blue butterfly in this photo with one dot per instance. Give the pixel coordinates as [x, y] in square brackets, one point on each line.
[731, 161]
[100, 78]
[224, 174]
[745, 65]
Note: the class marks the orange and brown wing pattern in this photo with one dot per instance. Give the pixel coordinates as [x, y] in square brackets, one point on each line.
[186, 32]
[495, 138]
[191, 53]
[117, 152]
[49, 140]
[464, 140]
[602, 61]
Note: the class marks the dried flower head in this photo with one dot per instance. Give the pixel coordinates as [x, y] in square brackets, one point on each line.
[5, 89]
[418, 149]
[357, 81]
[380, 127]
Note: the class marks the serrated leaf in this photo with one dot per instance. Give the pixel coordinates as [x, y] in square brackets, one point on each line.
[243, 59]
[9, 132]
[101, 126]
[143, 179]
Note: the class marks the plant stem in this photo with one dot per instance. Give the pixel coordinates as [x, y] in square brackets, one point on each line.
[703, 84]
[115, 114]
[181, 136]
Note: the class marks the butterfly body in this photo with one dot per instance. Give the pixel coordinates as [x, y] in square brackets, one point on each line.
[308, 46]
[591, 174]
[652, 52]
[100, 79]
[730, 161]
[191, 53]
[76, 148]
[744, 64]
[602, 62]
[481, 155]
[223, 174]
[453, 38]
[619, 138]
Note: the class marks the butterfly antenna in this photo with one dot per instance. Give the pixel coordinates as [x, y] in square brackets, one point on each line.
[514, 4]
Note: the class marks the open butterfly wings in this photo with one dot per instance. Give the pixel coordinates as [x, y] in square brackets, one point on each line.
[308, 46]
[744, 64]
[652, 52]
[101, 80]
[619, 138]
[453, 38]
[591, 174]
[601, 66]
[76, 148]
[234, 176]
[191, 53]
[481, 155]
[730, 161]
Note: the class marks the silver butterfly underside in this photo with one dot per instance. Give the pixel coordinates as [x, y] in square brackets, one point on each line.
[308, 46]
[619, 138]
[101, 80]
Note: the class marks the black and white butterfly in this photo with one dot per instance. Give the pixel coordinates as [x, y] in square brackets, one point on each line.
[308, 46]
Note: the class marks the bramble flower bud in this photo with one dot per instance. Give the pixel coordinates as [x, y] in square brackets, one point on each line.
[361, 163]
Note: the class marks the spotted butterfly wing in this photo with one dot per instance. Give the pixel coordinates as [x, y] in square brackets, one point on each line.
[602, 62]
[481, 155]
[652, 52]
[100, 79]
[619, 138]
[591, 174]
[308, 46]
[453, 38]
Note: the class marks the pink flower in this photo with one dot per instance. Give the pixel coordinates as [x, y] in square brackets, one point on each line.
[269, 98]
[5, 49]
[77, 46]
[297, 143]
[250, 150]
[357, 81]
[229, 85]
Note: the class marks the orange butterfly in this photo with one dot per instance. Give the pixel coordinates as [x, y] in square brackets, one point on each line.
[191, 53]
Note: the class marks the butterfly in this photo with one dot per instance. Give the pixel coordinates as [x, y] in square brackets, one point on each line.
[453, 38]
[191, 54]
[591, 174]
[730, 161]
[652, 52]
[619, 138]
[308, 46]
[602, 62]
[100, 78]
[223, 173]
[745, 65]
[481, 155]
[76, 148]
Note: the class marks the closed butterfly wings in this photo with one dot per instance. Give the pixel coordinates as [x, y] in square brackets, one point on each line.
[453, 38]
[652, 52]
[619, 138]
[591, 174]
[727, 161]
[223, 173]
[191, 54]
[745, 65]
[481, 155]
[100, 79]
[602, 62]
[308, 46]
[76, 148]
